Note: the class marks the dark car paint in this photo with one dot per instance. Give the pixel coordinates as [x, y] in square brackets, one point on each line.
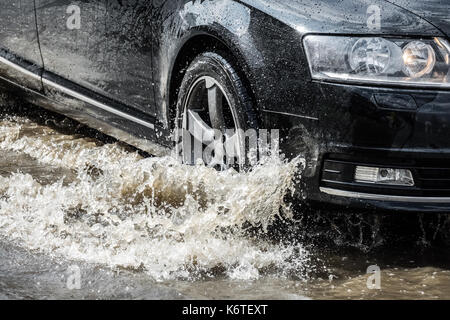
[110, 54]
[272, 47]
[321, 120]
[436, 12]
[18, 35]
[19, 30]
[344, 17]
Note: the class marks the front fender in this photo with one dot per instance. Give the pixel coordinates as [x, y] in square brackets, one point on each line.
[345, 17]
[269, 51]
[225, 20]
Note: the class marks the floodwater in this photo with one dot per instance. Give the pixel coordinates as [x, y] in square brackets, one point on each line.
[75, 204]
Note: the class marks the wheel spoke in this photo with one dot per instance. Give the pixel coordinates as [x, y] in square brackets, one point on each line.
[232, 144]
[199, 129]
[214, 149]
[215, 106]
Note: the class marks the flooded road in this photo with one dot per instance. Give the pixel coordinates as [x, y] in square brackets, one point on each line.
[136, 227]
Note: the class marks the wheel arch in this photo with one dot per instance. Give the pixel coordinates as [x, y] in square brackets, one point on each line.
[197, 42]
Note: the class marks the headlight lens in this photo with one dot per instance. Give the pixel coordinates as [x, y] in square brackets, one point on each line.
[372, 56]
[419, 59]
[379, 60]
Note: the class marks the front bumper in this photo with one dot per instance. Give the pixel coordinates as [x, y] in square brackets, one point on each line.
[376, 127]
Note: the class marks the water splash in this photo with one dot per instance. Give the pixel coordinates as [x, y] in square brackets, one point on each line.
[151, 214]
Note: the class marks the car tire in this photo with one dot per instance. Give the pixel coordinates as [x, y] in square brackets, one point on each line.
[216, 75]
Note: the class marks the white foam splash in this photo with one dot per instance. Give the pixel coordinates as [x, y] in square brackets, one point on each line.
[154, 214]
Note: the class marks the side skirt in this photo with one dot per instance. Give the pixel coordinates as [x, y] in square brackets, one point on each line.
[122, 123]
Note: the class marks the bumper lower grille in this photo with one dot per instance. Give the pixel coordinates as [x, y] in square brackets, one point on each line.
[430, 180]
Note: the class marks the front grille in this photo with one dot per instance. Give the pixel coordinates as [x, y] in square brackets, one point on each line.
[431, 179]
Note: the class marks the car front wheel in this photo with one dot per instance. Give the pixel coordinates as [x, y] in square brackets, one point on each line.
[214, 114]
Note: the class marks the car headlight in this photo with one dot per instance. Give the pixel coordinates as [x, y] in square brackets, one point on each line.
[379, 60]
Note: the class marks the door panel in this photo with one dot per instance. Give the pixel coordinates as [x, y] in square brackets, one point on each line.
[102, 45]
[18, 36]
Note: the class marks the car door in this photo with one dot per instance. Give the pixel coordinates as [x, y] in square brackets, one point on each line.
[101, 45]
[19, 42]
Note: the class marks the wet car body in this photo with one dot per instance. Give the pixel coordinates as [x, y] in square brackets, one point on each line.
[121, 70]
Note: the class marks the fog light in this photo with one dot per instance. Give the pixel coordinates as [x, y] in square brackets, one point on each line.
[396, 177]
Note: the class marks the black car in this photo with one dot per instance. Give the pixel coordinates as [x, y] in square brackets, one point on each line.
[360, 88]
